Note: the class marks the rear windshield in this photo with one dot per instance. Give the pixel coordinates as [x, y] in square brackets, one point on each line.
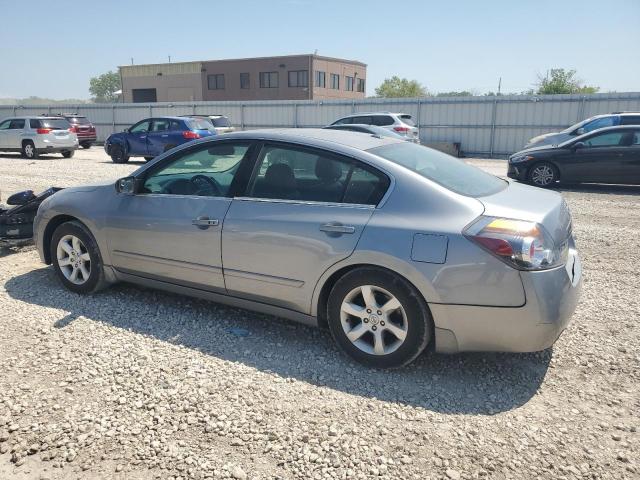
[199, 124]
[441, 168]
[78, 120]
[408, 119]
[221, 122]
[54, 123]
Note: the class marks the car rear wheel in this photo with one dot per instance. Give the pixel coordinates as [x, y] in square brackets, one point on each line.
[29, 150]
[117, 154]
[378, 318]
[76, 258]
[543, 175]
[85, 144]
[68, 154]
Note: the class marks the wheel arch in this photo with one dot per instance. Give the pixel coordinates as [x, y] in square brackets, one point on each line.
[47, 235]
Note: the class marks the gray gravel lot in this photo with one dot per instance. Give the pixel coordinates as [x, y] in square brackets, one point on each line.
[134, 383]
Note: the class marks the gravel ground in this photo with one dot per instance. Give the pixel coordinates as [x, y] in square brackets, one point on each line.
[133, 383]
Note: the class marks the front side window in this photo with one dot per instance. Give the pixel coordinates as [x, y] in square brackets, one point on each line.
[365, 120]
[299, 78]
[609, 139]
[216, 81]
[244, 80]
[205, 172]
[321, 79]
[297, 173]
[140, 127]
[348, 83]
[5, 125]
[335, 81]
[450, 172]
[268, 79]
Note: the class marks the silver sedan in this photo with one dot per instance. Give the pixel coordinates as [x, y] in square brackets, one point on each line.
[390, 245]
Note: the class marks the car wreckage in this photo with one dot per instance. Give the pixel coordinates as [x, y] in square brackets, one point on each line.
[16, 220]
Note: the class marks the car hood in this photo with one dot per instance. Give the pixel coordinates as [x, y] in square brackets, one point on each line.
[539, 148]
[524, 202]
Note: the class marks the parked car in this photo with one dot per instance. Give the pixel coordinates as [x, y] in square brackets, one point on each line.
[221, 123]
[400, 123]
[392, 245]
[35, 135]
[370, 129]
[608, 155]
[82, 127]
[152, 136]
[585, 126]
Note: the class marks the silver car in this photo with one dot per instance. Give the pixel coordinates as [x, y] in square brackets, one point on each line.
[400, 123]
[391, 245]
[35, 135]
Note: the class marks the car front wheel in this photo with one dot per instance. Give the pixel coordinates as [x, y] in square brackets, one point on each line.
[378, 318]
[68, 153]
[543, 175]
[76, 258]
[117, 154]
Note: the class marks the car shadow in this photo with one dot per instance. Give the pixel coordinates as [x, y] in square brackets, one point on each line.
[612, 189]
[473, 383]
[18, 156]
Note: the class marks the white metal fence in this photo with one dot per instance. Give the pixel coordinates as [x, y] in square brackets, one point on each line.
[484, 126]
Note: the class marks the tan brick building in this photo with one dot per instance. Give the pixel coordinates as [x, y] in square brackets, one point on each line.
[291, 77]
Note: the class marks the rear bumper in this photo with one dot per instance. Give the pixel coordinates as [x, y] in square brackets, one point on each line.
[88, 138]
[56, 149]
[551, 299]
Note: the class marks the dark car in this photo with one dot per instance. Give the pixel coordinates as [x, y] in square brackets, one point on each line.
[82, 127]
[152, 136]
[608, 155]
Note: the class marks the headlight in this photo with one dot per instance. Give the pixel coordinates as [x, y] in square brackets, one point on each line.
[520, 158]
[521, 244]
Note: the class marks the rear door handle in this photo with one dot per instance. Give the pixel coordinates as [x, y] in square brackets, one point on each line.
[335, 227]
[164, 136]
[204, 222]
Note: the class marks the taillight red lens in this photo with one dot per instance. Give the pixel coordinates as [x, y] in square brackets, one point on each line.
[401, 129]
[497, 246]
[190, 134]
[43, 131]
[73, 129]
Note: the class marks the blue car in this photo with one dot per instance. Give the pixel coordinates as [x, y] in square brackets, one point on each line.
[152, 136]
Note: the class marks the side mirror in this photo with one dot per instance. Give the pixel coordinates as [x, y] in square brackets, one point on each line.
[578, 145]
[125, 130]
[126, 185]
[580, 131]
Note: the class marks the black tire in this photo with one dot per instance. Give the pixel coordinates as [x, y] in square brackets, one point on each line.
[86, 145]
[68, 153]
[29, 150]
[148, 159]
[96, 280]
[543, 175]
[118, 155]
[416, 321]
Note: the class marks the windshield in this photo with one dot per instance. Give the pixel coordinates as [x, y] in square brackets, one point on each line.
[79, 120]
[441, 168]
[221, 122]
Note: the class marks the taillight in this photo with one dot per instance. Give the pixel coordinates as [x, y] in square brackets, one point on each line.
[42, 131]
[519, 243]
[73, 129]
[189, 134]
[401, 129]
[92, 128]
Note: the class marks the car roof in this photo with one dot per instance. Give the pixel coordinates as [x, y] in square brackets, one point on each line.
[598, 130]
[320, 136]
[39, 117]
[358, 114]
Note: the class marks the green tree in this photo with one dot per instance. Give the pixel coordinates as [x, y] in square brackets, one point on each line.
[463, 93]
[560, 80]
[400, 87]
[104, 87]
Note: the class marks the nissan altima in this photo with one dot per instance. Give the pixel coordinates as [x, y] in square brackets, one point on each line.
[394, 247]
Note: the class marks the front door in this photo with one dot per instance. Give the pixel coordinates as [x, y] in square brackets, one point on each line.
[170, 229]
[4, 134]
[137, 138]
[304, 210]
[600, 159]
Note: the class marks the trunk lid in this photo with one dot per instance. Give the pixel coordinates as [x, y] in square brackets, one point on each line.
[523, 202]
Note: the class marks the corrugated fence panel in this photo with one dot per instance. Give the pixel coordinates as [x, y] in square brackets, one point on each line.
[484, 126]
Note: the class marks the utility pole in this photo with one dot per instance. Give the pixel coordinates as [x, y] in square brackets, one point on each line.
[131, 60]
[169, 58]
[499, 84]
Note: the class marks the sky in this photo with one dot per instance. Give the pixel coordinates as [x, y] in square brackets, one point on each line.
[52, 49]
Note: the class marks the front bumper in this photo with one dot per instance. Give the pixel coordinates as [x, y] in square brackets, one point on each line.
[551, 299]
[518, 171]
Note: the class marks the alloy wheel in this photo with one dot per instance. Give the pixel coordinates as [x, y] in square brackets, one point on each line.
[373, 320]
[542, 175]
[29, 150]
[73, 259]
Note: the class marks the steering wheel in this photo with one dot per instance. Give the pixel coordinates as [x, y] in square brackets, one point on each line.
[206, 185]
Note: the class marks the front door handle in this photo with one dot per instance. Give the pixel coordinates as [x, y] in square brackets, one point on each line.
[204, 222]
[337, 228]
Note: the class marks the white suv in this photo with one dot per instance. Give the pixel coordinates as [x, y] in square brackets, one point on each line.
[400, 123]
[35, 135]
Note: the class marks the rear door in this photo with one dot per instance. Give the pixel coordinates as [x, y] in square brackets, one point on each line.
[631, 161]
[304, 210]
[158, 136]
[137, 138]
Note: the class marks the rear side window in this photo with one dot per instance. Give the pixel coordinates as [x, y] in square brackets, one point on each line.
[366, 120]
[382, 120]
[441, 168]
[297, 173]
[34, 123]
[408, 119]
[160, 125]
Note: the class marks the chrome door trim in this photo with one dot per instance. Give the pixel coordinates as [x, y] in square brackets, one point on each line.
[306, 202]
